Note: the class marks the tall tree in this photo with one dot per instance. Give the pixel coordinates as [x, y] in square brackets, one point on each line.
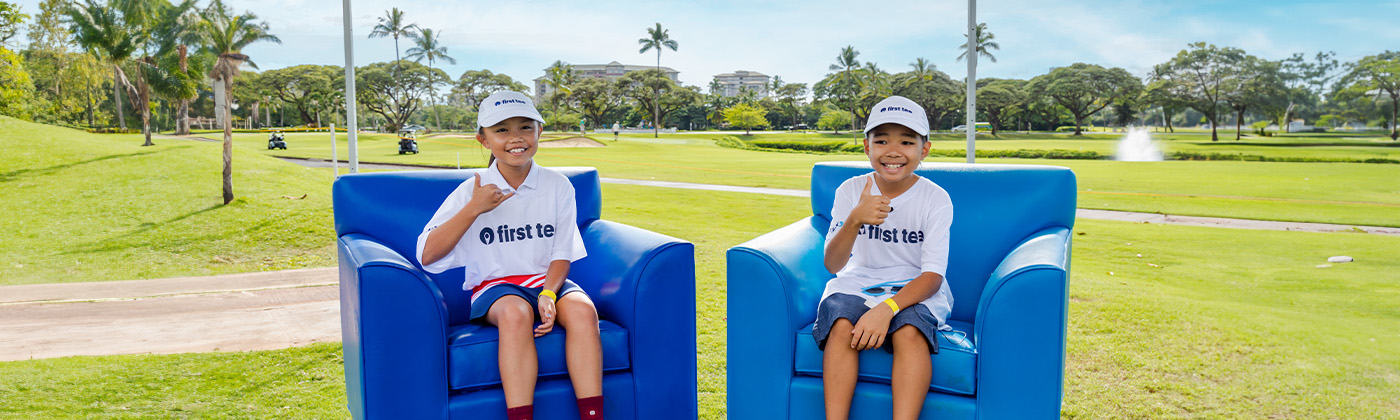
[845, 83]
[560, 78]
[998, 97]
[475, 85]
[745, 115]
[227, 34]
[656, 39]
[175, 76]
[595, 97]
[984, 43]
[790, 97]
[393, 24]
[16, 88]
[299, 86]
[932, 89]
[1374, 76]
[63, 77]
[395, 98]
[1259, 82]
[652, 89]
[426, 46]
[1203, 75]
[1085, 89]
[100, 29]
[10, 21]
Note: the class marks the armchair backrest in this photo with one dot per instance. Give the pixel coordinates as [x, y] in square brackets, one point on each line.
[995, 207]
[393, 207]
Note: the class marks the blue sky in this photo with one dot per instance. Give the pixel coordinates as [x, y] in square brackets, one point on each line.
[799, 39]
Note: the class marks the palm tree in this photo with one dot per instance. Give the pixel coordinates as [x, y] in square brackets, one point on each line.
[426, 46]
[984, 42]
[558, 77]
[227, 35]
[176, 32]
[846, 63]
[923, 69]
[100, 29]
[657, 38]
[392, 24]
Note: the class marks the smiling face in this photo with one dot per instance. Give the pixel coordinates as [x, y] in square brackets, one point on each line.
[512, 142]
[895, 151]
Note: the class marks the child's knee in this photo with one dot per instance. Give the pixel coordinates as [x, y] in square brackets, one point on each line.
[577, 312]
[910, 337]
[512, 313]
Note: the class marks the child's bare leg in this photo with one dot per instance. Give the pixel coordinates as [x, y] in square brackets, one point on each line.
[913, 369]
[515, 320]
[840, 368]
[584, 350]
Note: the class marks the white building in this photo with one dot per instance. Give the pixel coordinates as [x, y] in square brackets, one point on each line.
[610, 71]
[736, 82]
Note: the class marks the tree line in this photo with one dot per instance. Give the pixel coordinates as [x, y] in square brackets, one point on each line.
[60, 78]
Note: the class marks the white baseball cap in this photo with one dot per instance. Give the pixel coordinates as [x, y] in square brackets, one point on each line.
[898, 110]
[504, 105]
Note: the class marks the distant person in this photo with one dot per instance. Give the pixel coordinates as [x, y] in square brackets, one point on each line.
[888, 246]
[617, 128]
[517, 268]
[581, 124]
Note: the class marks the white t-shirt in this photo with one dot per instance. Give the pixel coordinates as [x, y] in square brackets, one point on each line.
[913, 240]
[519, 237]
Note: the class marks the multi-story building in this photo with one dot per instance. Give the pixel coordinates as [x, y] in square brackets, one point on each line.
[736, 82]
[610, 71]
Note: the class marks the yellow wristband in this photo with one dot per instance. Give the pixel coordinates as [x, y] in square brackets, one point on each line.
[893, 306]
[549, 293]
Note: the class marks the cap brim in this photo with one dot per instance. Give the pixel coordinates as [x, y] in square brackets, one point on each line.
[494, 119]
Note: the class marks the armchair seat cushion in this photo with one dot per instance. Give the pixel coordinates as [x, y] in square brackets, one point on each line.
[954, 367]
[473, 349]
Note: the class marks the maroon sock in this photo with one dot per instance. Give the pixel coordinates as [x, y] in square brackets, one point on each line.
[590, 408]
[524, 412]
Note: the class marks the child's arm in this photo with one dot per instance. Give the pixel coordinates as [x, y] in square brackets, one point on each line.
[871, 210]
[445, 237]
[870, 331]
[553, 281]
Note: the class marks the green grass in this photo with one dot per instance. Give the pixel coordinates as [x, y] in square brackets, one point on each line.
[84, 207]
[1231, 324]
[301, 383]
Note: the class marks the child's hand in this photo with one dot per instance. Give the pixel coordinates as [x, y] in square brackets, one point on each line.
[486, 198]
[870, 331]
[546, 316]
[871, 210]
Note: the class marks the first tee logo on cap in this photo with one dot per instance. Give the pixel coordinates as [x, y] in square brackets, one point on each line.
[896, 108]
[511, 101]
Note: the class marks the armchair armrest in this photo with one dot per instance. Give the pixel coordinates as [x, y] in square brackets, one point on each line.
[1020, 329]
[775, 282]
[394, 331]
[645, 282]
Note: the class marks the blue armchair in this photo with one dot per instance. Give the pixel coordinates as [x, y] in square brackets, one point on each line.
[410, 354]
[1009, 271]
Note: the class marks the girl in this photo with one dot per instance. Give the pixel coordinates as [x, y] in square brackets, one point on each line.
[513, 228]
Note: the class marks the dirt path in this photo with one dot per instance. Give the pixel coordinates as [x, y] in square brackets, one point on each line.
[237, 312]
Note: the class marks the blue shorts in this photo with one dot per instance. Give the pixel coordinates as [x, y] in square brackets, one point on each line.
[481, 305]
[841, 305]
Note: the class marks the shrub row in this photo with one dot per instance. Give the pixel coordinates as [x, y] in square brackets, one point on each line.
[806, 146]
[114, 130]
[1260, 158]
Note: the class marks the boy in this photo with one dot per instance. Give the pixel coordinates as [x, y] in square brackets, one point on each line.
[888, 246]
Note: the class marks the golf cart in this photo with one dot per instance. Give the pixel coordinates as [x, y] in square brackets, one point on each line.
[408, 141]
[276, 141]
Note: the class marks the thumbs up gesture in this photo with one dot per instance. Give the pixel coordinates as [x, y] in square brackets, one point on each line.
[871, 210]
